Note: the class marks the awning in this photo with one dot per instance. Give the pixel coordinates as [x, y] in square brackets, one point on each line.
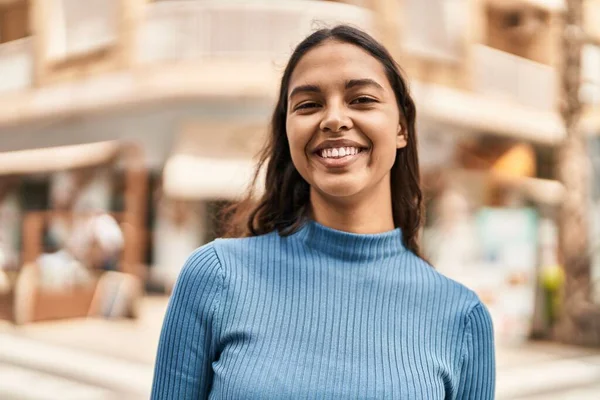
[204, 178]
[61, 158]
[477, 113]
[213, 160]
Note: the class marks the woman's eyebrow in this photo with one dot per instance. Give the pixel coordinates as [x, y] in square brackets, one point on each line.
[362, 82]
[304, 89]
[349, 85]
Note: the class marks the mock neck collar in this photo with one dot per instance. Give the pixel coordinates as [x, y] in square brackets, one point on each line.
[351, 246]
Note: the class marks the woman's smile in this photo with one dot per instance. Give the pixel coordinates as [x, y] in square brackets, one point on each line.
[338, 155]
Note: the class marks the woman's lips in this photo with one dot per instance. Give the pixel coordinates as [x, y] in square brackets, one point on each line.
[338, 162]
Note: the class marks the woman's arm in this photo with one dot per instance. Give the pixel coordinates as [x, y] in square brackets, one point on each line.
[187, 344]
[478, 367]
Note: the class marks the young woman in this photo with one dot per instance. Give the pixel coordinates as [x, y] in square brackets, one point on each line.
[328, 297]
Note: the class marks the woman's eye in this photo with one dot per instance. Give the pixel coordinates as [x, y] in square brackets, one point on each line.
[307, 106]
[363, 100]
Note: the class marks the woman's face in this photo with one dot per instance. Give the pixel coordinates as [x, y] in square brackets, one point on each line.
[343, 123]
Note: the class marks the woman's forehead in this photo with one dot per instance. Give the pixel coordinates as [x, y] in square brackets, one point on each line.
[336, 63]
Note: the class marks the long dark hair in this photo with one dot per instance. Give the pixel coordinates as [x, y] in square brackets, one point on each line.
[285, 204]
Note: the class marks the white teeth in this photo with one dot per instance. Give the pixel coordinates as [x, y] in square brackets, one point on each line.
[339, 152]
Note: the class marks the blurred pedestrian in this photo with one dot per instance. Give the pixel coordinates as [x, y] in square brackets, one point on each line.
[328, 296]
[58, 269]
[96, 240]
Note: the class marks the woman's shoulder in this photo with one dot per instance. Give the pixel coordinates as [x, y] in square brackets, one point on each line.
[224, 252]
[234, 247]
[438, 283]
[201, 261]
[201, 271]
[452, 299]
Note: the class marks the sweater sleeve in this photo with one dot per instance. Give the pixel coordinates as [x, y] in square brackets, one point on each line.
[187, 345]
[478, 368]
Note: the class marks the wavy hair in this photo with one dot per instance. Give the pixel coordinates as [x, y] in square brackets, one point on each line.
[285, 204]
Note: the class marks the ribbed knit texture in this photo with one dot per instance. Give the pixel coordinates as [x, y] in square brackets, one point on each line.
[321, 314]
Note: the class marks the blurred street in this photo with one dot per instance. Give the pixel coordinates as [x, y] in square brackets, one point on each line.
[100, 359]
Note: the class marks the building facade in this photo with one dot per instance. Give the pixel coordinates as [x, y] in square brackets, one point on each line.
[191, 83]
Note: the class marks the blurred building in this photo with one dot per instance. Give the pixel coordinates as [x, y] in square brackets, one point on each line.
[191, 84]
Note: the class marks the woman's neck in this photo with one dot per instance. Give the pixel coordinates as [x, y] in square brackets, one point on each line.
[372, 214]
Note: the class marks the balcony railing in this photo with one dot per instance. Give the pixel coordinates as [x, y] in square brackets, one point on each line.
[504, 76]
[181, 30]
[16, 65]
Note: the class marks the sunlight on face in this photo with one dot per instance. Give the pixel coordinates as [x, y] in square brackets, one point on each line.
[343, 123]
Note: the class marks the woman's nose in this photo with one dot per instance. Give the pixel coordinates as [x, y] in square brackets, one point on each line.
[335, 119]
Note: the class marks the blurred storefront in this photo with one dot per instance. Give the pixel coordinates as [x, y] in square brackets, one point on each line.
[491, 222]
[69, 234]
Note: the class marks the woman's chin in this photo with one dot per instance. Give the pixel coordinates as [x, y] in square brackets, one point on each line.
[338, 189]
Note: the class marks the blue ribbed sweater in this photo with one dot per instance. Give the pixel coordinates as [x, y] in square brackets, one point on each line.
[321, 314]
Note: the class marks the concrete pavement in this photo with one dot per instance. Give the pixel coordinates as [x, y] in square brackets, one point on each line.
[81, 358]
[98, 359]
[23, 383]
[539, 371]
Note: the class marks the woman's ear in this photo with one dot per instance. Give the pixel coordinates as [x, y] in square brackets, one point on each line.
[401, 137]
